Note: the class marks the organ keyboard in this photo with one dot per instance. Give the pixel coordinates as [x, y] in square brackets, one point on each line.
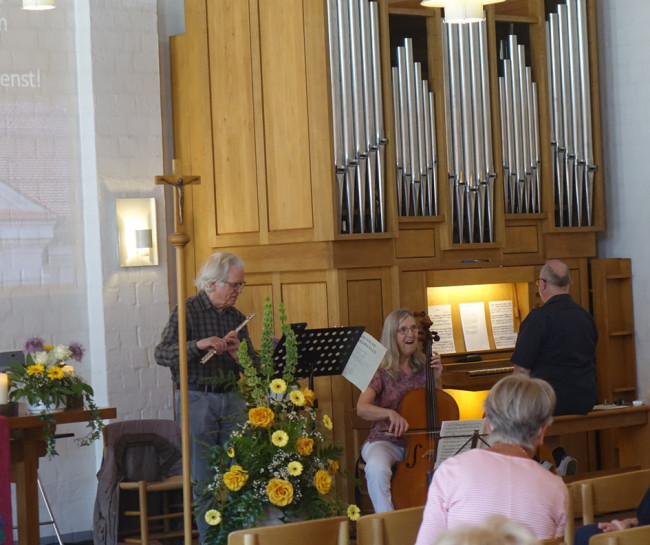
[475, 376]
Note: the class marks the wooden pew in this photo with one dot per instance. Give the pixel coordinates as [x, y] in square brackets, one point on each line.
[629, 428]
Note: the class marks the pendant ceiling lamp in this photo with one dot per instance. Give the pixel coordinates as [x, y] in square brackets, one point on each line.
[460, 11]
[38, 5]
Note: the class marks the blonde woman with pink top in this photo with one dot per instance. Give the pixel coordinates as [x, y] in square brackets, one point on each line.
[503, 479]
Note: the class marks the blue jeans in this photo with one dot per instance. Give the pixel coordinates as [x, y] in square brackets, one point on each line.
[212, 418]
[585, 532]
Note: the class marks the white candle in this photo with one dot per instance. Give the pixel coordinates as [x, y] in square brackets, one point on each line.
[4, 388]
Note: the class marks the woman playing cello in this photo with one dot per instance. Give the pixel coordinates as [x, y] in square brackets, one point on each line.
[401, 370]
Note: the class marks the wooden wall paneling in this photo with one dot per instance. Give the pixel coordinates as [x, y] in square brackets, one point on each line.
[193, 135]
[284, 257]
[321, 151]
[369, 299]
[413, 290]
[611, 281]
[286, 121]
[252, 299]
[233, 66]
[574, 241]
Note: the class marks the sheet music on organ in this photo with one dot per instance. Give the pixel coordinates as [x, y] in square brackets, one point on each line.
[456, 437]
[503, 330]
[440, 316]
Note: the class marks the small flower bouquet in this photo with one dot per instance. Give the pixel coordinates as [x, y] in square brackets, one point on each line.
[46, 379]
[281, 457]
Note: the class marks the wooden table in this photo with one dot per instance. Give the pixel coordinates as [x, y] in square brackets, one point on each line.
[27, 446]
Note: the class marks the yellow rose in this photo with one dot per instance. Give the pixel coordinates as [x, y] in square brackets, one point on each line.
[235, 478]
[327, 422]
[353, 512]
[278, 386]
[304, 446]
[334, 466]
[262, 417]
[280, 438]
[310, 397]
[297, 398]
[280, 492]
[213, 517]
[322, 481]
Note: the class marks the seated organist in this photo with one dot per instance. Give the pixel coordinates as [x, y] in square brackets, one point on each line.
[401, 370]
[503, 479]
[557, 343]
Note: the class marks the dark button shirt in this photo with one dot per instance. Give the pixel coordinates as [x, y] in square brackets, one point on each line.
[202, 320]
[557, 343]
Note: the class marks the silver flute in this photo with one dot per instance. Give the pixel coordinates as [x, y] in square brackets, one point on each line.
[212, 351]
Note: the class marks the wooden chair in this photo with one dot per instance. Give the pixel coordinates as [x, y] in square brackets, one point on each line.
[631, 536]
[391, 528]
[553, 541]
[328, 531]
[606, 495]
[142, 459]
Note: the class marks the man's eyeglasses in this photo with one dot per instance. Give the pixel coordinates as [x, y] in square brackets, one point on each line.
[236, 285]
[541, 280]
[406, 329]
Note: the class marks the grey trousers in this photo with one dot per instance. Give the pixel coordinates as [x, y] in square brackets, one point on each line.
[212, 418]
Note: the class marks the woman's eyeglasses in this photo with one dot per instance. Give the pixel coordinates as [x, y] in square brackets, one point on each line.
[407, 329]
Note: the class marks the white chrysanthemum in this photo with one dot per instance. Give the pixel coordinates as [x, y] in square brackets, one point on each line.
[42, 358]
[61, 352]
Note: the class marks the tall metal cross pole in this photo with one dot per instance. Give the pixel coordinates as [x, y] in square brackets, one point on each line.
[179, 239]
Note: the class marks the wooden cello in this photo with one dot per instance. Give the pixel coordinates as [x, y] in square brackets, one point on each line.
[423, 409]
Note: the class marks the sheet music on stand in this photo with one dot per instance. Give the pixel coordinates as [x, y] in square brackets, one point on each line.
[321, 352]
[457, 436]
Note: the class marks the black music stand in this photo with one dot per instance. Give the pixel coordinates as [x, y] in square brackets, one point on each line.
[321, 352]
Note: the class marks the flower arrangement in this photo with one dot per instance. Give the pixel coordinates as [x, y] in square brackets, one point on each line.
[46, 378]
[281, 456]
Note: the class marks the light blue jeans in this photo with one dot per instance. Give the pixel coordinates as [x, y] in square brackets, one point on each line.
[380, 457]
[212, 418]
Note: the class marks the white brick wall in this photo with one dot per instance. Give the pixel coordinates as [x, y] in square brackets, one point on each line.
[117, 314]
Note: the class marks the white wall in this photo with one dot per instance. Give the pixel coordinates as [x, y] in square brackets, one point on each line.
[624, 65]
[86, 132]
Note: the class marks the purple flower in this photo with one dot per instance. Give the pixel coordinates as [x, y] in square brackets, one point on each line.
[33, 344]
[77, 351]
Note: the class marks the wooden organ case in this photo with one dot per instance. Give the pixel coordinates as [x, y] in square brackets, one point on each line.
[343, 236]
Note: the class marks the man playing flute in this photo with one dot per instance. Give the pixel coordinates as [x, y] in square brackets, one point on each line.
[213, 327]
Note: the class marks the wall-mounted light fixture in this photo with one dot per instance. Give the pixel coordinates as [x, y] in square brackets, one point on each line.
[136, 229]
[38, 5]
[460, 11]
